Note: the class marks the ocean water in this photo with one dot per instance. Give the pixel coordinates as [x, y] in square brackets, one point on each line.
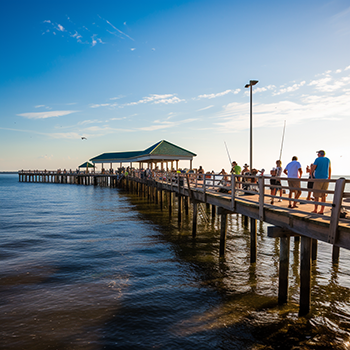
[85, 267]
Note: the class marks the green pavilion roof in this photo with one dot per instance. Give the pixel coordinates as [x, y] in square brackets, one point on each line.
[162, 150]
[86, 165]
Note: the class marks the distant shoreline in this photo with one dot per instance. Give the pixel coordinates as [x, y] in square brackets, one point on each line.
[8, 172]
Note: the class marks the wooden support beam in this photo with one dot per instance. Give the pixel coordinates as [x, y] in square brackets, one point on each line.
[275, 232]
[170, 202]
[186, 199]
[253, 241]
[335, 254]
[194, 224]
[314, 250]
[245, 220]
[179, 209]
[213, 211]
[284, 270]
[305, 276]
[223, 233]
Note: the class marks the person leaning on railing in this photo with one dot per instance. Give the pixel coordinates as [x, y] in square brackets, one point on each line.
[321, 170]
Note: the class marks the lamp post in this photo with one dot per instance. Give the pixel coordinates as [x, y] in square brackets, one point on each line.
[251, 83]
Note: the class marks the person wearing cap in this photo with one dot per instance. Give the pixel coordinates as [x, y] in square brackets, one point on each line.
[294, 171]
[321, 170]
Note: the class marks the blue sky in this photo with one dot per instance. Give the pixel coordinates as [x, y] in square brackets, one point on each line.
[126, 74]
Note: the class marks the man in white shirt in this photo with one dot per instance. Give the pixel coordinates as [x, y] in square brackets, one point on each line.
[293, 171]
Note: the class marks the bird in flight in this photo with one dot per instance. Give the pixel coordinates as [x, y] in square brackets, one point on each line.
[84, 138]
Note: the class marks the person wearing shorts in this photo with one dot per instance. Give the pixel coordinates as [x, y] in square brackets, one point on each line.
[321, 170]
[294, 171]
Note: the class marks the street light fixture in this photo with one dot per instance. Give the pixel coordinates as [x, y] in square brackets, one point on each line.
[251, 83]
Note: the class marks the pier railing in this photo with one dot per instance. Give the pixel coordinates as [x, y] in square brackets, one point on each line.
[257, 190]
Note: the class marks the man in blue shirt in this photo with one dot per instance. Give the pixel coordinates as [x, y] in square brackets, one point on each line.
[322, 170]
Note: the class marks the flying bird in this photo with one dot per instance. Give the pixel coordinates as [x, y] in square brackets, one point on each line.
[84, 138]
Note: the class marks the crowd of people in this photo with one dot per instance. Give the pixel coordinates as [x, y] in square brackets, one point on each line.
[320, 169]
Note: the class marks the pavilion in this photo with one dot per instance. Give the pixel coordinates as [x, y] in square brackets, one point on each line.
[163, 153]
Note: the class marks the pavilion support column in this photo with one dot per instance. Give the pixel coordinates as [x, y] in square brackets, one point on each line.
[305, 276]
[253, 241]
[213, 211]
[223, 231]
[177, 165]
[191, 164]
[284, 270]
[194, 218]
[172, 165]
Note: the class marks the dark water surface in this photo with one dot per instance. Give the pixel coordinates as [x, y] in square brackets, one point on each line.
[85, 267]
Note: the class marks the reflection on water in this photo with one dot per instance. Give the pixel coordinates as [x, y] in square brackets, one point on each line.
[92, 268]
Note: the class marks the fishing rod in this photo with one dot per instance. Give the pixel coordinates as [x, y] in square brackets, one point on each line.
[228, 153]
[284, 129]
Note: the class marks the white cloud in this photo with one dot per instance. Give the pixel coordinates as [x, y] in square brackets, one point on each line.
[156, 99]
[202, 109]
[347, 68]
[118, 30]
[39, 106]
[44, 115]
[210, 96]
[117, 98]
[67, 135]
[60, 28]
[292, 88]
[100, 105]
[328, 84]
[89, 122]
[166, 124]
[235, 116]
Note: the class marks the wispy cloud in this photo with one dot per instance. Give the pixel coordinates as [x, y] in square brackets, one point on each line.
[157, 99]
[203, 109]
[291, 88]
[44, 115]
[325, 98]
[165, 124]
[118, 30]
[210, 96]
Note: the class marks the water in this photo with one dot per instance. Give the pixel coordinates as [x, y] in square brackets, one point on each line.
[85, 267]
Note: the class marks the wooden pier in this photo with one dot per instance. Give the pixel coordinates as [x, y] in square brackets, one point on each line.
[226, 196]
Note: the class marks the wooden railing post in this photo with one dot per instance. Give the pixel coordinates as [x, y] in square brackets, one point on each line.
[336, 206]
[233, 192]
[261, 198]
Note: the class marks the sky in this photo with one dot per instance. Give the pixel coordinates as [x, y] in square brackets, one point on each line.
[127, 74]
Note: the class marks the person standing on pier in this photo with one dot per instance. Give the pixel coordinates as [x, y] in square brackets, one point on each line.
[294, 171]
[321, 170]
[236, 170]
